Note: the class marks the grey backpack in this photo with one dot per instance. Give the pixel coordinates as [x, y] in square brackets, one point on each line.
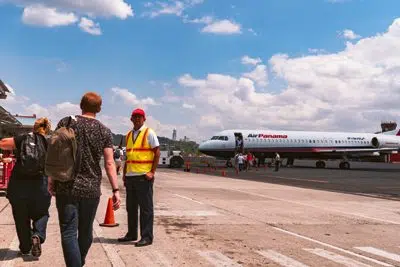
[61, 158]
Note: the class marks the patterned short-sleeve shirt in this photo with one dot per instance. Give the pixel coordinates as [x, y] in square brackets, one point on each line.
[92, 137]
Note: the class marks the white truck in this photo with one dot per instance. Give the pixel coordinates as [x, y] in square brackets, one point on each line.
[172, 159]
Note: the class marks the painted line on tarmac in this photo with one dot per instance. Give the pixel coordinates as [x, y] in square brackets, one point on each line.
[298, 179]
[380, 252]
[111, 253]
[331, 246]
[12, 253]
[188, 198]
[218, 259]
[186, 213]
[336, 257]
[280, 258]
[153, 258]
[317, 207]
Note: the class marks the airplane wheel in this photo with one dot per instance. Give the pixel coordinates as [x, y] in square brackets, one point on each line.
[320, 164]
[344, 165]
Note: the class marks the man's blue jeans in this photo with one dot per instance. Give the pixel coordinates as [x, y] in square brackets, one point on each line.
[76, 216]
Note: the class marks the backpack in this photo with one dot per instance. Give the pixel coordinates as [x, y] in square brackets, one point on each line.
[32, 155]
[61, 156]
[117, 153]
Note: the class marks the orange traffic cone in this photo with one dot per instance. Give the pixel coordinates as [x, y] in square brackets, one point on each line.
[109, 219]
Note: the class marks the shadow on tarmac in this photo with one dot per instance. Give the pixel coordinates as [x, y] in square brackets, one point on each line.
[13, 254]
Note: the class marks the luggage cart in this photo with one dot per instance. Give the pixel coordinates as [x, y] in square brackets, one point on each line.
[5, 173]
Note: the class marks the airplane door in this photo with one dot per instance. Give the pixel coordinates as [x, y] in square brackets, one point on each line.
[239, 143]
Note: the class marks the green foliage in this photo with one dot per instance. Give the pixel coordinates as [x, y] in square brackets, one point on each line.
[187, 147]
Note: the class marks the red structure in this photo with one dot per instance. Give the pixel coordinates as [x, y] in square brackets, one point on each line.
[5, 174]
[394, 158]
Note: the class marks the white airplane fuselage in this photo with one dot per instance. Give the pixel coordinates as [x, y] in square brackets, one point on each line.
[302, 144]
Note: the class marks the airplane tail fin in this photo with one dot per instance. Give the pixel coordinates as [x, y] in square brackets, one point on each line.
[393, 132]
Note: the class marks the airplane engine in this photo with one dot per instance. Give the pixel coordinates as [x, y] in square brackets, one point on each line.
[382, 143]
[375, 142]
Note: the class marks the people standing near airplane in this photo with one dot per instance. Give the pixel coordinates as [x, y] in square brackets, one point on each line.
[277, 161]
[240, 161]
[249, 160]
[77, 200]
[142, 156]
[27, 190]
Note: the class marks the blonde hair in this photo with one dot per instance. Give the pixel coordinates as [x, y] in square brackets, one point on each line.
[42, 126]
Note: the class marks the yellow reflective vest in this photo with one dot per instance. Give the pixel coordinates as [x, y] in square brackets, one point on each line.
[139, 154]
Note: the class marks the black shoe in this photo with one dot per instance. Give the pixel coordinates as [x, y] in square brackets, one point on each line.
[143, 242]
[36, 250]
[127, 239]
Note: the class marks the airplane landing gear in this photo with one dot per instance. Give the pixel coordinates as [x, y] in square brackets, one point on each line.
[344, 165]
[320, 164]
[290, 162]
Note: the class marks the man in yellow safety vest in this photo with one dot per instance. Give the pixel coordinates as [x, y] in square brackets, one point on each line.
[142, 156]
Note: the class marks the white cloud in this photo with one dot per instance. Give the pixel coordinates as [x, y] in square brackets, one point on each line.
[223, 27]
[49, 17]
[250, 61]
[89, 26]
[98, 8]
[349, 34]
[316, 51]
[352, 90]
[131, 99]
[259, 75]
[173, 7]
[188, 106]
[55, 13]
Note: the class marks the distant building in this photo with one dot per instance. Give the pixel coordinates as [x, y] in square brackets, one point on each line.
[174, 134]
[3, 90]
[12, 125]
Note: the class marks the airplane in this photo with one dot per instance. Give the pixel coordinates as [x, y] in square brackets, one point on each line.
[302, 145]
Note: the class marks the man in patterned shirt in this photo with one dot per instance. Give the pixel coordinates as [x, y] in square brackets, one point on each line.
[77, 200]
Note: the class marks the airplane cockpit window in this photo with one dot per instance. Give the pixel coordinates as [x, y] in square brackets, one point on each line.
[214, 138]
[224, 138]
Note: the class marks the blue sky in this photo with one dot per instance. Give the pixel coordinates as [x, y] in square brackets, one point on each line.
[147, 47]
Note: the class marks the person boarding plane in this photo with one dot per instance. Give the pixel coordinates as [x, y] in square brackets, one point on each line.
[303, 145]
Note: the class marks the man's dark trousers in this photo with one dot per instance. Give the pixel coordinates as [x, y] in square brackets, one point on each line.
[139, 193]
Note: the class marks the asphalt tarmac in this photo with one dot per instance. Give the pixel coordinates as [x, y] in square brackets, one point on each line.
[364, 178]
[296, 217]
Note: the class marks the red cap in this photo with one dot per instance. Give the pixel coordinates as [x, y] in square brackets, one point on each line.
[139, 111]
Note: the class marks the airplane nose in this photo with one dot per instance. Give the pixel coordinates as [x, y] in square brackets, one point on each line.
[203, 147]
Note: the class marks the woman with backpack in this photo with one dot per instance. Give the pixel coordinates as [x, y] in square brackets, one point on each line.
[27, 190]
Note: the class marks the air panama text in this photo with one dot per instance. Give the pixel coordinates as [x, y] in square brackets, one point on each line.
[268, 135]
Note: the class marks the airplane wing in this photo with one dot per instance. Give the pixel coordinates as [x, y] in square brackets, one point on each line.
[356, 150]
